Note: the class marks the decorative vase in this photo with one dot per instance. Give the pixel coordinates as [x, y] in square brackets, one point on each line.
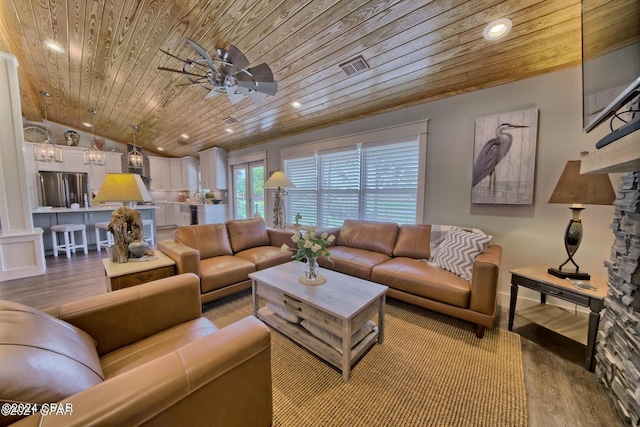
[312, 274]
[138, 248]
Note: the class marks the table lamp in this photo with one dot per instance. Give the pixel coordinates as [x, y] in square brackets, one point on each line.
[279, 180]
[577, 189]
[123, 187]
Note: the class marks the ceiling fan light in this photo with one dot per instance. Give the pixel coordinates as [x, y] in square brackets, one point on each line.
[497, 29]
[296, 104]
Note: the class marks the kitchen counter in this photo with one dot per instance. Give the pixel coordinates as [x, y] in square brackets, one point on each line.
[83, 210]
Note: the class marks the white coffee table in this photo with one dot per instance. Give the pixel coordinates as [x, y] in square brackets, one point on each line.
[341, 306]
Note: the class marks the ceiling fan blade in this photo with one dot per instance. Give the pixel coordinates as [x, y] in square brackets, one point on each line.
[234, 96]
[237, 59]
[257, 96]
[212, 92]
[259, 73]
[181, 72]
[268, 88]
[173, 56]
[203, 53]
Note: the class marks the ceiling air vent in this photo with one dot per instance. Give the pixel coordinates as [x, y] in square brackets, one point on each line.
[230, 120]
[356, 65]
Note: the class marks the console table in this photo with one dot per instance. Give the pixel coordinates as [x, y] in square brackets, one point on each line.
[555, 318]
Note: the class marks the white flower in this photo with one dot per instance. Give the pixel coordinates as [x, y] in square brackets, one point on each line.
[295, 238]
[324, 236]
[308, 244]
[331, 238]
[316, 248]
[284, 248]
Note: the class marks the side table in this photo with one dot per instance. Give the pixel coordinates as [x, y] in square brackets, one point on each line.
[126, 274]
[557, 319]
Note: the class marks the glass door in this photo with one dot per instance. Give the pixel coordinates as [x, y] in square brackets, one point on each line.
[248, 187]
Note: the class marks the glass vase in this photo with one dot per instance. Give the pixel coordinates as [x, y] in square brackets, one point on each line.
[311, 269]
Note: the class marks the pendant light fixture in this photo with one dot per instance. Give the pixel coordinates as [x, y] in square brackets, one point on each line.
[134, 156]
[93, 156]
[47, 151]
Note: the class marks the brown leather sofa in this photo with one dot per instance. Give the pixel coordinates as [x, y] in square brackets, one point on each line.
[397, 256]
[138, 356]
[223, 255]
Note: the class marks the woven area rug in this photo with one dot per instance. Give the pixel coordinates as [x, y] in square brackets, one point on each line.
[431, 370]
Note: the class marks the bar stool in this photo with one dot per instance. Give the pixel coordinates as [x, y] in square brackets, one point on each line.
[108, 241]
[69, 238]
[150, 237]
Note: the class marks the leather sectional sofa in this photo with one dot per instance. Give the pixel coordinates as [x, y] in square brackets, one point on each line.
[138, 356]
[223, 255]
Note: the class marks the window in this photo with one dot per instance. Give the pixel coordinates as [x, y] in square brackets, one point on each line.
[370, 181]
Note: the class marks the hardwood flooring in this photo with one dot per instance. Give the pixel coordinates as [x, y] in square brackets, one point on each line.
[560, 392]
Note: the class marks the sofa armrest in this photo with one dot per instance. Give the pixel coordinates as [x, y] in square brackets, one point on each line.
[123, 317]
[278, 237]
[187, 259]
[484, 280]
[222, 379]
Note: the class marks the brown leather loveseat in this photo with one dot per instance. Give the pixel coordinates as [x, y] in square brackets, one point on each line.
[223, 255]
[138, 356]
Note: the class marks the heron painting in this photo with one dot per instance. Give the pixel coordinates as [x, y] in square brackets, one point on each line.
[504, 158]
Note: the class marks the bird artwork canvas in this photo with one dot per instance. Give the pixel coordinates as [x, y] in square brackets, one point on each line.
[504, 158]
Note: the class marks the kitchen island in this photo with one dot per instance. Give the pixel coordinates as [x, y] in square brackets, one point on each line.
[47, 217]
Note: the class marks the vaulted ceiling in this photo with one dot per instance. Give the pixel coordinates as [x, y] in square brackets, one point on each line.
[417, 50]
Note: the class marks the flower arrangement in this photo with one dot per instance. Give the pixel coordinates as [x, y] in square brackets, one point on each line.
[310, 245]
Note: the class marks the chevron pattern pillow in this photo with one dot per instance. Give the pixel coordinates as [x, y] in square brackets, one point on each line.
[458, 251]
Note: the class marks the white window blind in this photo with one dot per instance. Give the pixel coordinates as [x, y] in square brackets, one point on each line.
[376, 181]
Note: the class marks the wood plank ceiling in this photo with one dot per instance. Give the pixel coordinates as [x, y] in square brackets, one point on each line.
[418, 50]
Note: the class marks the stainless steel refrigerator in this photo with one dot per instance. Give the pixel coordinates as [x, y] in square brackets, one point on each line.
[61, 189]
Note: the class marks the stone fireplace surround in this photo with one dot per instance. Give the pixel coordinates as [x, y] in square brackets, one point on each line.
[618, 348]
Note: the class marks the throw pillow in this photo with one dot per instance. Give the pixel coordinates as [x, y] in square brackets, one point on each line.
[458, 251]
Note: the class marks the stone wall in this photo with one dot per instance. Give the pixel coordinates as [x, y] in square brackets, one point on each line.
[618, 348]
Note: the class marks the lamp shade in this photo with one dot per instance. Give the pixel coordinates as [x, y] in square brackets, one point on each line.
[278, 179]
[585, 189]
[123, 187]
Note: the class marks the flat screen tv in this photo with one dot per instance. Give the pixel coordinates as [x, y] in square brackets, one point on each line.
[611, 67]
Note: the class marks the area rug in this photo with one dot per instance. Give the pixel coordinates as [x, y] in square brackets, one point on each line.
[431, 370]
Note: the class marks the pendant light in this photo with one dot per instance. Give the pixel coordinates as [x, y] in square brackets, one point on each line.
[47, 151]
[93, 156]
[134, 157]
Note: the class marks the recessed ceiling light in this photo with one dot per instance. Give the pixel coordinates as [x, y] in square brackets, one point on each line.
[497, 29]
[229, 130]
[296, 104]
[184, 136]
[160, 148]
[53, 45]
[86, 124]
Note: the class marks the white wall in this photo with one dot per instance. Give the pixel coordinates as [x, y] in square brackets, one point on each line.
[528, 234]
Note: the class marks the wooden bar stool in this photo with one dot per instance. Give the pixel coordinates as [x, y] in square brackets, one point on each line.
[69, 245]
[150, 237]
[108, 240]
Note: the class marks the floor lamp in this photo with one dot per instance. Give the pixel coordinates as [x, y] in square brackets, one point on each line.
[279, 180]
[576, 189]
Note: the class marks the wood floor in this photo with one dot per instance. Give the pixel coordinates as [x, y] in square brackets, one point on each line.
[560, 392]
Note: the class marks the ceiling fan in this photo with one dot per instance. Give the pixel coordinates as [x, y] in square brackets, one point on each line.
[226, 72]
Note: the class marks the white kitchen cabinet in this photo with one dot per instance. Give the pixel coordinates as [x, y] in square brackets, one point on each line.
[161, 220]
[160, 173]
[175, 170]
[189, 167]
[213, 169]
[72, 161]
[212, 214]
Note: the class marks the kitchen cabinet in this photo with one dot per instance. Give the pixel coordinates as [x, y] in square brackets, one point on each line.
[160, 173]
[189, 167]
[212, 214]
[175, 170]
[72, 161]
[213, 169]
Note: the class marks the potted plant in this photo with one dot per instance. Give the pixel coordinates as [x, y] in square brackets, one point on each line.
[296, 225]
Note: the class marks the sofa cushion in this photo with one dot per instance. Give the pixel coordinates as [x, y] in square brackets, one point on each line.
[413, 241]
[150, 348]
[221, 271]
[439, 232]
[265, 256]
[247, 233]
[353, 261]
[369, 235]
[458, 251]
[43, 359]
[424, 280]
[210, 239]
